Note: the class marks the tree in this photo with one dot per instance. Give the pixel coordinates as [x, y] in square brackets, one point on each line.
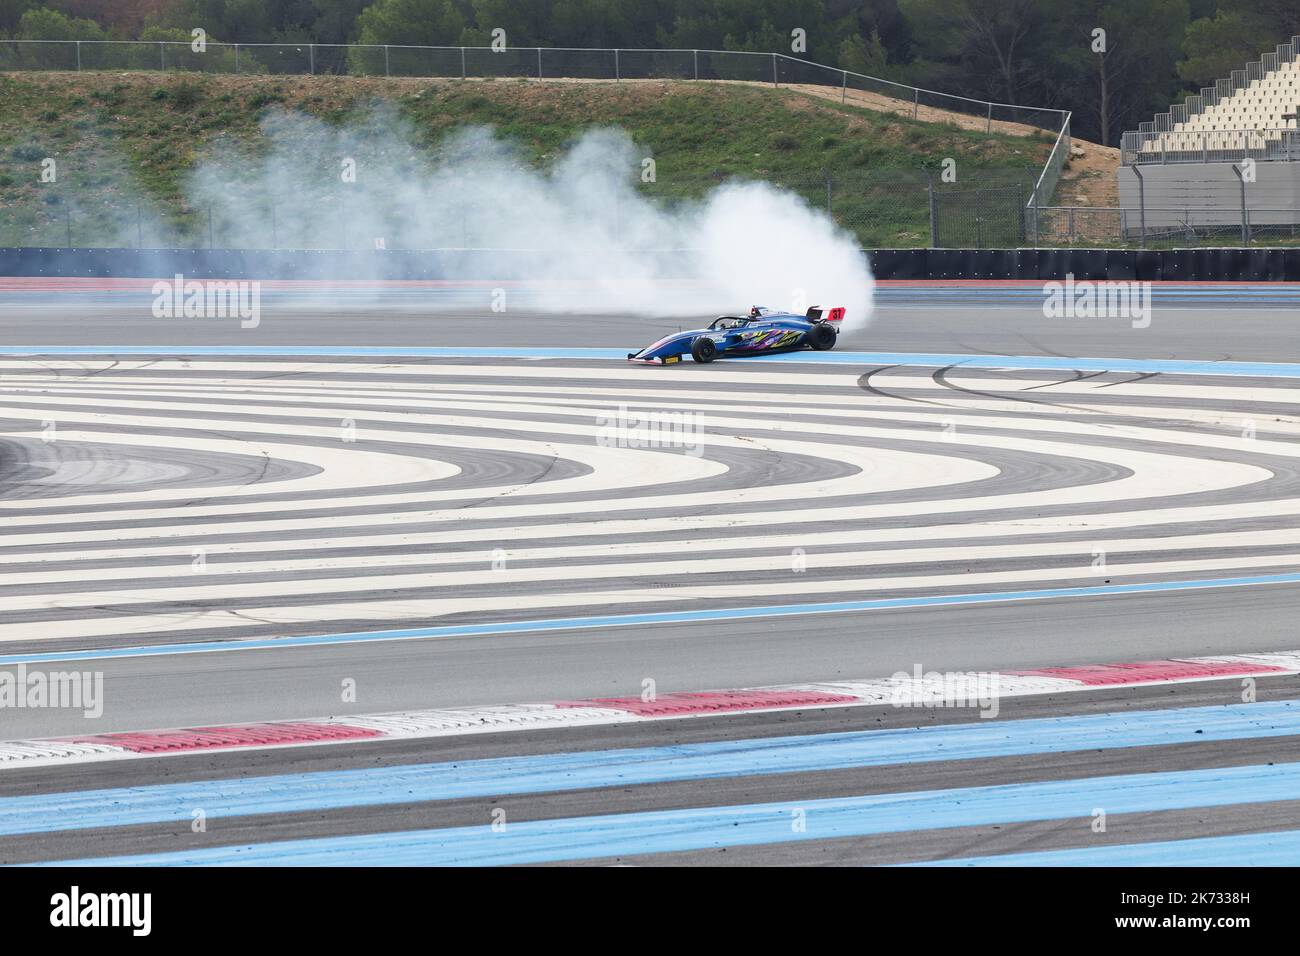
[122, 18]
[1235, 35]
[336, 20]
[864, 56]
[998, 44]
[11, 12]
[416, 22]
[43, 24]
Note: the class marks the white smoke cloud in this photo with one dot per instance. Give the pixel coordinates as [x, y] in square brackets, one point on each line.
[584, 231]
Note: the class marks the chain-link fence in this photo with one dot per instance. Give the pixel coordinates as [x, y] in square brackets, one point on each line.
[542, 63]
[1157, 227]
[888, 208]
[882, 209]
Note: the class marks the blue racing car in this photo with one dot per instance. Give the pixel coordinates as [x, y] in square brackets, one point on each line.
[759, 332]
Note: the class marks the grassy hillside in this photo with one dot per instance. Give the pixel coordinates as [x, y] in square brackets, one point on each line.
[126, 140]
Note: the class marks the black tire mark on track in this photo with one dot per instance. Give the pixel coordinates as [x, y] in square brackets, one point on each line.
[864, 383]
[1139, 378]
[1078, 376]
[940, 378]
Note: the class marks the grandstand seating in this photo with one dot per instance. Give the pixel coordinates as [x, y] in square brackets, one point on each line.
[1252, 113]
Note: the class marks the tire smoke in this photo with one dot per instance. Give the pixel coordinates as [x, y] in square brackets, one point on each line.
[586, 234]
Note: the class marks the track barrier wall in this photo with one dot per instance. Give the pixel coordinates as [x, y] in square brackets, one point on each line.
[1150, 265]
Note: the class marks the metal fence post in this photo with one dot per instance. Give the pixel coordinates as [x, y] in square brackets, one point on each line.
[988, 128]
[78, 56]
[462, 63]
[774, 83]
[1142, 208]
[934, 229]
[236, 57]
[210, 244]
[67, 218]
[916, 103]
[1020, 207]
[616, 76]
[1037, 198]
[1245, 227]
[311, 58]
[162, 56]
[539, 63]
[696, 57]
[385, 59]
[844, 90]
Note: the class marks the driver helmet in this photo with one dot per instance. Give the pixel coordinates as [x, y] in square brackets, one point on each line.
[755, 311]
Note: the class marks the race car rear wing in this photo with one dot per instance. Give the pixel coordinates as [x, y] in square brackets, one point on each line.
[835, 315]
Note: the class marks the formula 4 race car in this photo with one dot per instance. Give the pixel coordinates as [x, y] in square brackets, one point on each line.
[759, 332]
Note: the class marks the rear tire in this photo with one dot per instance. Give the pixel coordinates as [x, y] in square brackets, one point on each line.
[821, 337]
[703, 350]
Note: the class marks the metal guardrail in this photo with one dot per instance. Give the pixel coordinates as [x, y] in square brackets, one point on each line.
[1045, 187]
[1210, 146]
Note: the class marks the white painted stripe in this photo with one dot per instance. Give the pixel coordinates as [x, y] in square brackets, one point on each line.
[339, 466]
[360, 464]
[816, 555]
[465, 720]
[790, 521]
[27, 753]
[1154, 474]
[428, 610]
[877, 470]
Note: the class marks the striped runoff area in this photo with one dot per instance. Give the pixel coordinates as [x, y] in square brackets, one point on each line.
[893, 795]
[160, 502]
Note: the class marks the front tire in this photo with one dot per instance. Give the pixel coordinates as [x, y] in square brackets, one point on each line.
[703, 350]
[821, 337]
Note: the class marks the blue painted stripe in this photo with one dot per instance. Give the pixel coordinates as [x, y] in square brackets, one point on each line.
[549, 773]
[674, 831]
[1250, 849]
[656, 617]
[924, 359]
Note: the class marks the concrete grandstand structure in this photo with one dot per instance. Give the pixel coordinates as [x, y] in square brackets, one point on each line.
[1226, 158]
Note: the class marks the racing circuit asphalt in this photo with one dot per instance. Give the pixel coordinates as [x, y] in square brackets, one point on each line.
[1227, 325]
[236, 685]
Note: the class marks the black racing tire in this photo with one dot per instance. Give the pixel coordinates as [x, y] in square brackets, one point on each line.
[704, 350]
[821, 337]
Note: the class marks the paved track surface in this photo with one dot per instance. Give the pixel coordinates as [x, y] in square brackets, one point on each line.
[1222, 326]
[188, 505]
